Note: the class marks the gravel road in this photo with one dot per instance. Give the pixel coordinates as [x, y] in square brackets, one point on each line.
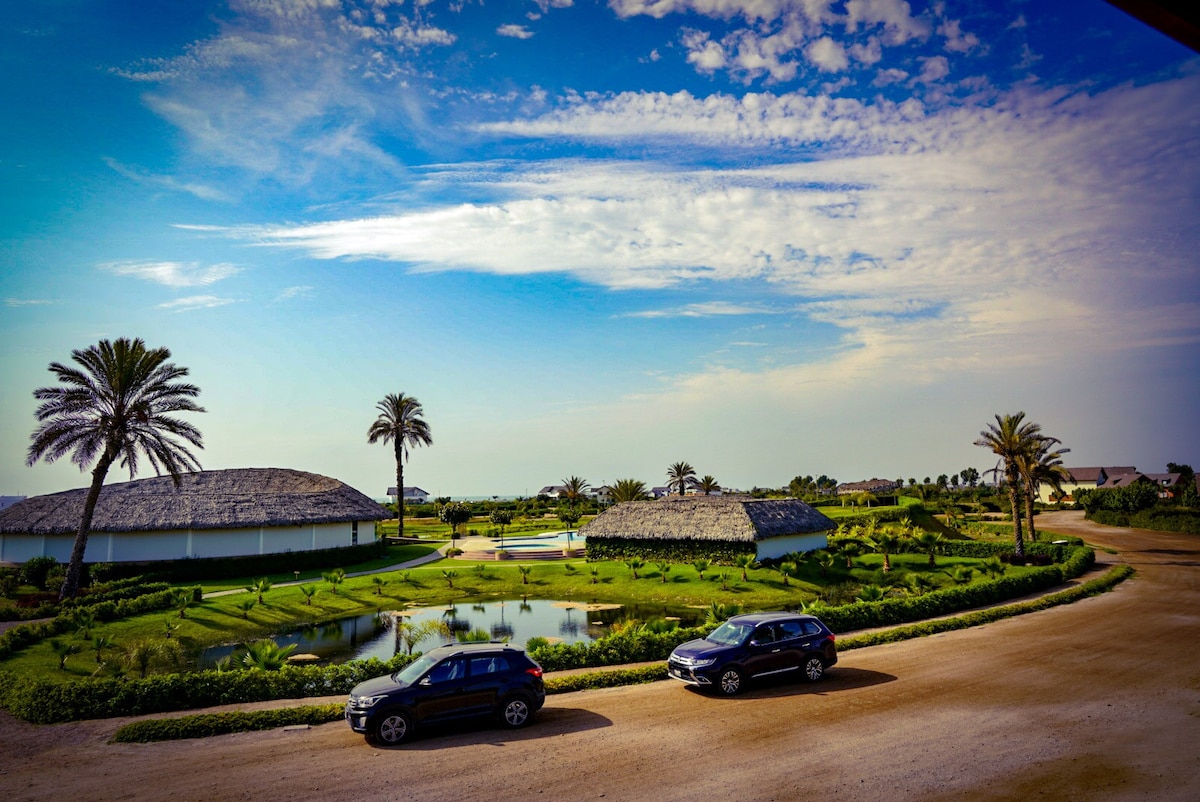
[1098, 700]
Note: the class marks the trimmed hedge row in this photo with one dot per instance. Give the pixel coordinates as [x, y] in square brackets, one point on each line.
[1160, 519]
[205, 725]
[194, 569]
[25, 635]
[677, 551]
[635, 646]
[42, 701]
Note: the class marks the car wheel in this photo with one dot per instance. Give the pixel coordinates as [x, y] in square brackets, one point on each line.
[730, 681]
[516, 712]
[814, 668]
[391, 728]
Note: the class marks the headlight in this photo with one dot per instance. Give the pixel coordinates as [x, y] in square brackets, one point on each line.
[364, 701]
[702, 662]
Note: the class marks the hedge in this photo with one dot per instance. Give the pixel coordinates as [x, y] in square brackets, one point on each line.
[194, 569]
[208, 724]
[677, 551]
[25, 635]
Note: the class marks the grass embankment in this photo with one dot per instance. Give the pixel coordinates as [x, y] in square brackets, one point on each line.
[220, 619]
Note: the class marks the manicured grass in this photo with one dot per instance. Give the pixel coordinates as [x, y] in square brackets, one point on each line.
[395, 555]
[218, 619]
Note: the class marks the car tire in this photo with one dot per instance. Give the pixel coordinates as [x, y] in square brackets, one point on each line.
[813, 668]
[391, 728]
[730, 681]
[515, 712]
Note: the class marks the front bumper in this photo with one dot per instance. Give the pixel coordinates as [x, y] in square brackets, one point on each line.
[687, 674]
[357, 718]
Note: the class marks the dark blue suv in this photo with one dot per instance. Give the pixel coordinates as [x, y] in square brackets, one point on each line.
[464, 680]
[755, 645]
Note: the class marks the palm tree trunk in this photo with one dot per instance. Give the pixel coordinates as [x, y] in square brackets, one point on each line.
[1014, 500]
[399, 487]
[70, 585]
[1030, 491]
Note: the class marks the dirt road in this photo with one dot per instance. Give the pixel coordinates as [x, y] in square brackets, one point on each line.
[1098, 700]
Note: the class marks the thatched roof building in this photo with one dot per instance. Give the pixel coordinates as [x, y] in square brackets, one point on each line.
[767, 528]
[212, 514]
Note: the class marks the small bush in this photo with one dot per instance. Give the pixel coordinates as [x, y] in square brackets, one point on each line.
[207, 724]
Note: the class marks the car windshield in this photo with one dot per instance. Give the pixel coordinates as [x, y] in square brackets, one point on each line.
[413, 671]
[729, 634]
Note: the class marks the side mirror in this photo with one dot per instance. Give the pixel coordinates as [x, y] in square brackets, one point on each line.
[426, 682]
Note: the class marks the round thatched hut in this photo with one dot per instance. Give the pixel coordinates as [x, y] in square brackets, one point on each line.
[716, 527]
[230, 513]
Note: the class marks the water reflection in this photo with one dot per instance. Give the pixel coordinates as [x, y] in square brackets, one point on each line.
[374, 635]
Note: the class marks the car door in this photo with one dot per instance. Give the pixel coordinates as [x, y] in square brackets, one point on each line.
[764, 655]
[793, 643]
[441, 693]
[488, 674]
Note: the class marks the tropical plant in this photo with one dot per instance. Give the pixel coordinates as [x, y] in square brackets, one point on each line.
[595, 575]
[994, 567]
[635, 564]
[62, 650]
[574, 489]
[887, 543]
[83, 620]
[871, 593]
[449, 575]
[117, 405]
[848, 550]
[930, 543]
[679, 476]
[264, 655]
[1011, 438]
[825, 560]
[1041, 464]
[786, 569]
[100, 643]
[961, 574]
[707, 484]
[701, 565]
[246, 605]
[524, 569]
[919, 584]
[664, 568]
[335, 577]
[139, 654]
[169, 628]
[628, 490]
[309, 591]
[183, 599]
[718, 612]
[569, 516]
[744, 562]
[380, 583]
[501, 519]
[474, 636]
[400, 423]
[259, 586]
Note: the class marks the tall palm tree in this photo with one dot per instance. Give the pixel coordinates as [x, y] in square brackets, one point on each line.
[1041, 465]
[116, 405]
[679, 475]
[707, 484]
[1009, 438]
[628, 490]
[400, 423]
[574, 489]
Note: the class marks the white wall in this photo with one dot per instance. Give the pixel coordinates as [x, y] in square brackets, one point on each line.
[179, 544]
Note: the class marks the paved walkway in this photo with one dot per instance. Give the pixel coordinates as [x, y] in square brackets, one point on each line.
[433, 556]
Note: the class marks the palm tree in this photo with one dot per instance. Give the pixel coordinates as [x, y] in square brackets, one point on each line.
[929, 542]
[574, 489]
[745, 562]
[707, 484]
[400, 423]
[265, 655]
[701, 565]
[309, 591]
[887, 543]
[259, 586]
[1041, 465]
[663, 569]
[679, 475]
[1010, 438]
[117, 405]
[628, 490]
[635, 564]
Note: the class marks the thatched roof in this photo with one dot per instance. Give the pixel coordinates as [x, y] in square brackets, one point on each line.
[723, 518]
[233, 499]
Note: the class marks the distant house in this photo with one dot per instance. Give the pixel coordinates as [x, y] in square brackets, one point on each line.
[412, 495]
[874, 486]
[553, 491]
[8, 501]
[229, 513]
[660, 492]
[1083, 477]
[767, 528]
[1167, 483]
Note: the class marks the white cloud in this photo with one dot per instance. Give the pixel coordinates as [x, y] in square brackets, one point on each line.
[202, 191]
[933, 69]
[893, 16]
[174, 274]
[828, 55]
[956, 40]
[195, 302]
[709, 309]
[515, 31]
[288, 293]
[18, 302]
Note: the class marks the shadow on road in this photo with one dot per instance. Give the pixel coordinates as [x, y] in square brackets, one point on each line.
[550, 722]
[837, 679]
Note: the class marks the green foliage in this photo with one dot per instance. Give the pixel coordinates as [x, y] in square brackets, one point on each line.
[606, 679]
[35, 570]
[1129, 499]
[195, 569]
[455, 514]
[633, 645]
[675, 551]
[208, 724]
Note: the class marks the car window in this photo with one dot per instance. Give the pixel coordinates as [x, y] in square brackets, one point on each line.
[448, 671]
[729, 634]
[811, 628]
[764, 634]
[788, 630]
[491, 664]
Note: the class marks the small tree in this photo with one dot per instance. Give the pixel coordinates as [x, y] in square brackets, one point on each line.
[745, 562]
[455, 513]
[701, 565]
[246, 605]
[380, 583]
[335, 577]
[259, 586]
[569, 516]
[100, 643]
[449, 575]
[663, 569]
[635, 564]
[524, 569]
[309, 591]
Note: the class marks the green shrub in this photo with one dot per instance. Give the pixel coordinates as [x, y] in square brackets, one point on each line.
[606, 679]
[207, 724]
[35, 570]
[675, 551]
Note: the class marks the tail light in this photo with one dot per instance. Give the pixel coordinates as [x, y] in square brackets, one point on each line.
[535, 671]
[832, 637]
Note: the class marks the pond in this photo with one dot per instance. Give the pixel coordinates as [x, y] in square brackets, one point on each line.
[516, 620]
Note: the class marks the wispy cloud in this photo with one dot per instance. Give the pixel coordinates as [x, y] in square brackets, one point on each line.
[195, 302]
[174, 274]
[167, 182]
[288, 293]
[710, 309]
[515, 31]
[17, 302]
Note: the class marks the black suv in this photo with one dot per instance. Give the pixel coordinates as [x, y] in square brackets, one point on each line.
[755, 645]
[450, 682]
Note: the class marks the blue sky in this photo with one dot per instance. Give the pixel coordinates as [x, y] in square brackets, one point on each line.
[768, 237]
